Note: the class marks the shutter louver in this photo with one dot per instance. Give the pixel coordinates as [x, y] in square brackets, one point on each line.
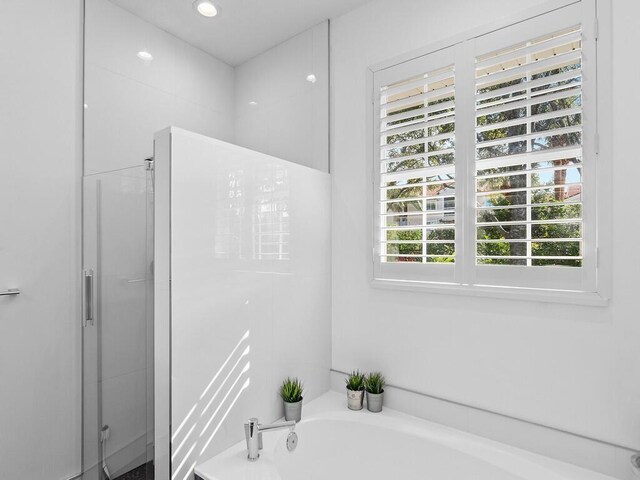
[529, 153]
[417, 171]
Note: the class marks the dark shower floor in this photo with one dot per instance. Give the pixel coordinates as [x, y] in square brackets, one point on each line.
[143, 472]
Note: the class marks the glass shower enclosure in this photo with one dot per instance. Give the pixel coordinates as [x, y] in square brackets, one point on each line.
[117, 324]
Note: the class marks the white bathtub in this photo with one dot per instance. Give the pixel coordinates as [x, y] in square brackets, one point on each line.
[335, 443]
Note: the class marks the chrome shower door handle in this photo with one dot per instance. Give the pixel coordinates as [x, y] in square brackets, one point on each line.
[88, 298]
[11, 291]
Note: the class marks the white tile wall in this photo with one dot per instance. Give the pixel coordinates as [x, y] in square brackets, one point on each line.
[290, 119]
[128, 100]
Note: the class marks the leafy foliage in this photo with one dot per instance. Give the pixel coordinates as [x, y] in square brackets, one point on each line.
[374, 382]
[355, 380]
[291, 390]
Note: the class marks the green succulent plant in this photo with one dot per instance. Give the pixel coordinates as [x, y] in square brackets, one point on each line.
[374, 382]
[291, 390]
[355, 380]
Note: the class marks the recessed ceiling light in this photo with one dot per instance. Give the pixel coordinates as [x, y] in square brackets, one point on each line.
[206, 8]
[144, 55]
[253, 103]
[311, 78]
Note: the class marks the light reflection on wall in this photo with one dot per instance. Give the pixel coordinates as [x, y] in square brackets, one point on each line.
[271, 216]
[199, 427]
[265, 192]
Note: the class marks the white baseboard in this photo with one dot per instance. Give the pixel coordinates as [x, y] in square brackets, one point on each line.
[587, 453]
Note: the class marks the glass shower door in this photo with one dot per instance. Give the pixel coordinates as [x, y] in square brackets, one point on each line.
[117, 325]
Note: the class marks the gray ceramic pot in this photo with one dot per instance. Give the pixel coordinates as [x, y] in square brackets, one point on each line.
[293, 411]
[354, 399]
[374, 401]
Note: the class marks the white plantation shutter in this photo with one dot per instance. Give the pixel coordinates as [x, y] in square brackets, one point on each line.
[529, 153]
[510, 200]
[417, 179]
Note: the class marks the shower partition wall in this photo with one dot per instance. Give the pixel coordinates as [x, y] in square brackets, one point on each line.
[241, 292]
[118, 327]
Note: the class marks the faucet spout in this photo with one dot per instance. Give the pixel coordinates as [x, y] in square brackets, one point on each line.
[253, 434]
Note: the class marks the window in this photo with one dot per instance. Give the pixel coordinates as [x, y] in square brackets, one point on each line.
[485, 160]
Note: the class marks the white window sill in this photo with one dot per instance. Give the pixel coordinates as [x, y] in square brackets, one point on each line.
[570, 297]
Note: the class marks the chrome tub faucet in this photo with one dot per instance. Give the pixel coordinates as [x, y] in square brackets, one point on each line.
[253, 433]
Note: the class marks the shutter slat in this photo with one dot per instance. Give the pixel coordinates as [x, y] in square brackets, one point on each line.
[418, 141]
[433, 226]
[529, 170]
[551, 43]
[418, 213]
[412, 185]
[420, 82]
[409, 242]
[525, 205]
[480, 193]
[385, 120]
[414, 199]
[426, 155]
[536, 240]
[532, 95]
[530, 222]
[526, 257]
[530, 136]
[404, 175]
[540, 82]
[419, 98]
[530, 157]
[505, 107]
[550, 63]
[418, 125]
[533, 119]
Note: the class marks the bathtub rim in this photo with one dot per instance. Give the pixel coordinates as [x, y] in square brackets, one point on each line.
[232, 464]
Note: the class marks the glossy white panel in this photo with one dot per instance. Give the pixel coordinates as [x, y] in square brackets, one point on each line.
[250, 301]
[129, 99]
[290, 117]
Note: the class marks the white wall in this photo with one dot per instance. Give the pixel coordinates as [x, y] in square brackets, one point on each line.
[568, 367]
[40, 169]
[249, 290]
[290, 117]
[128, 100]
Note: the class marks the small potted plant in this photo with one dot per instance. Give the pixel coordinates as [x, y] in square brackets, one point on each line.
[355, 390]
[291, 393]
[374, 385]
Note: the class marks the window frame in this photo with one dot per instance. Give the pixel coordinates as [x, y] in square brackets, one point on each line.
[465, 277]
